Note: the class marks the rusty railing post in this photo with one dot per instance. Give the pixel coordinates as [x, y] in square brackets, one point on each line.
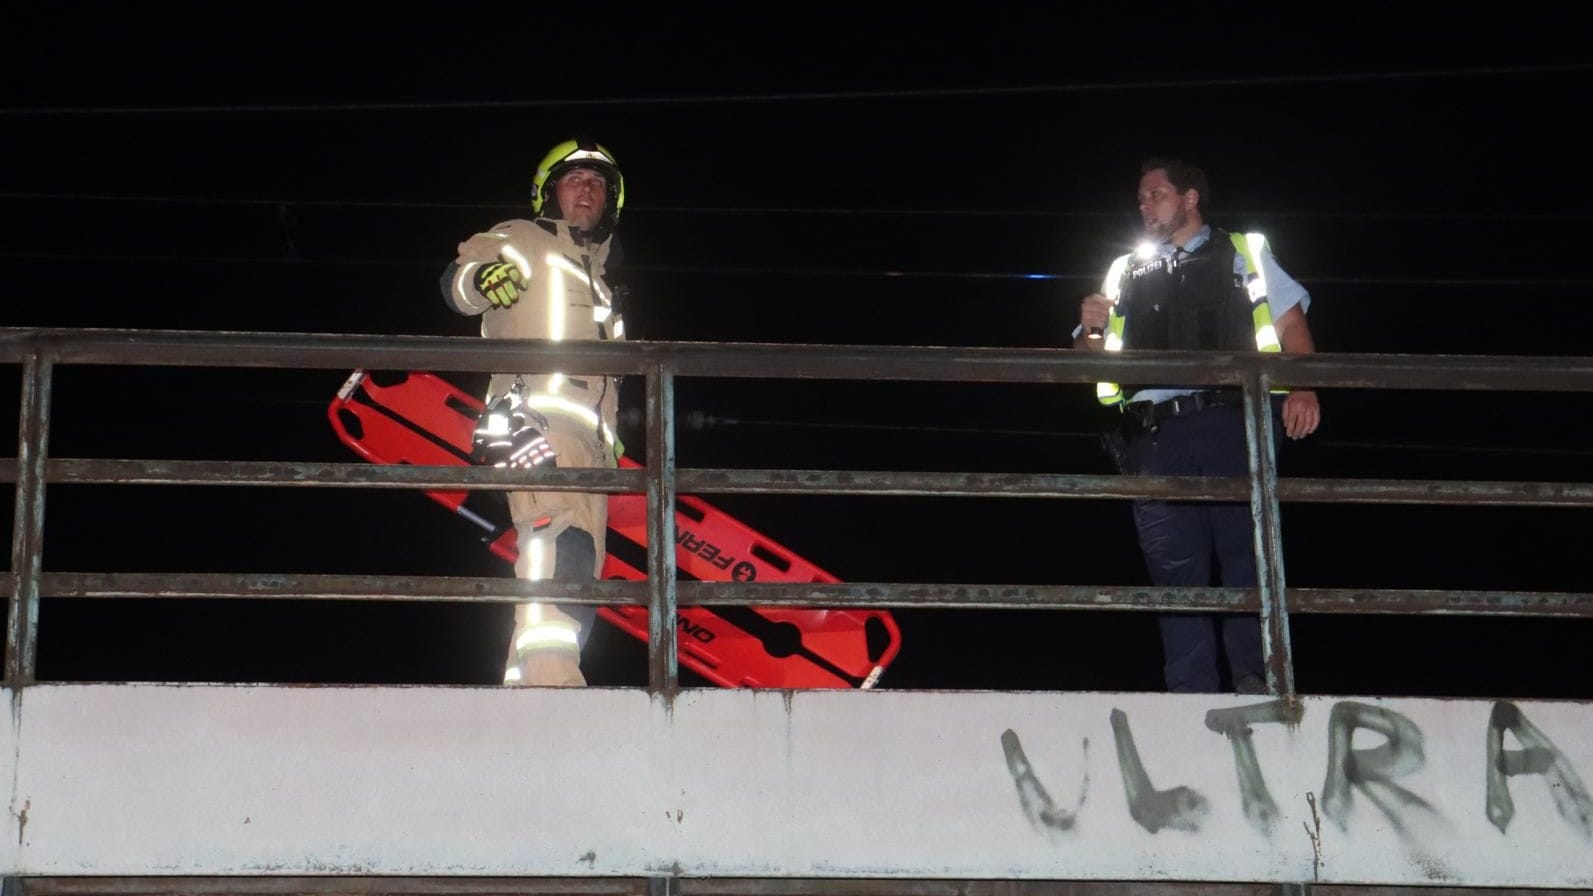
[1268, 535]
[663, 661]
[27, 534]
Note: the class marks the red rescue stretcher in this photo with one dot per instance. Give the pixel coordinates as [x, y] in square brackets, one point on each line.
[419, 418]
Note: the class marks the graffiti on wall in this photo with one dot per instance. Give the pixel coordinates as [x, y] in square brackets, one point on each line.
[1370, 772]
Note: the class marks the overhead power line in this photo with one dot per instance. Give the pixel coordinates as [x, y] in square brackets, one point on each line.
[842, 273]
[813, 96]
[699, 420]
[787, 210]
[158, 199]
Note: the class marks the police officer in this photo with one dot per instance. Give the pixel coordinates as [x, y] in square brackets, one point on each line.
[1194, 286]
[544, 279]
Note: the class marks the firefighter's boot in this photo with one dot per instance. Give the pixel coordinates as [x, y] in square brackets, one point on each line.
[545, 649]
[548, 669]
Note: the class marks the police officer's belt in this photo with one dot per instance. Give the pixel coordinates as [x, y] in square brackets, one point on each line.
[1148, 415]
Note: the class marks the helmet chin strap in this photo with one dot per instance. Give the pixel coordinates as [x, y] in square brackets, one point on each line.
[582, 235]
[595, 234]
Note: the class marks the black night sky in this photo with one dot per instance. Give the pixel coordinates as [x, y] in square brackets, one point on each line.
[802, 174]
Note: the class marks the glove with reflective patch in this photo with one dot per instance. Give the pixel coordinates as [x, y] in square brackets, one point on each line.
[511, 435]
[500, 282]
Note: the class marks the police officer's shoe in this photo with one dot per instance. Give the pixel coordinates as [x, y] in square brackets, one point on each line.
[1249, 684]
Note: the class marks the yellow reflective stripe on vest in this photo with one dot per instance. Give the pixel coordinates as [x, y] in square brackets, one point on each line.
[1266, 334]
[1249, 247]
[1112, 288]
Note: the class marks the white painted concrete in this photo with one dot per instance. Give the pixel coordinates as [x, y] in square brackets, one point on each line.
[230, 780]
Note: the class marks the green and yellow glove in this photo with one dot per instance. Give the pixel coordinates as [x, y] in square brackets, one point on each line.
[500, 282]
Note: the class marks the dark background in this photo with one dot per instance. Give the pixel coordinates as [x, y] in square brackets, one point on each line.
[816, 174]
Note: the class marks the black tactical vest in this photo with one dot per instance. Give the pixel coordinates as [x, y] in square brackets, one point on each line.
[1190, 300]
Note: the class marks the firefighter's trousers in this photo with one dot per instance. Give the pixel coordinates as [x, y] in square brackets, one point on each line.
[561, 538]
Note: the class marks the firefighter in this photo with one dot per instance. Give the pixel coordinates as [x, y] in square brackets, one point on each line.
[1193, 286]
[544, 279]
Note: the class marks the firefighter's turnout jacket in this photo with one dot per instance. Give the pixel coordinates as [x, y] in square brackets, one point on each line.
[563, 297]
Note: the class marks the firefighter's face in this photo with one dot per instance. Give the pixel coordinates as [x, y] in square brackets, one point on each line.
[1163, 209]
[582, 194]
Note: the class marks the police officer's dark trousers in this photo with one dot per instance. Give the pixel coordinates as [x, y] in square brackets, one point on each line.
[1181, 540]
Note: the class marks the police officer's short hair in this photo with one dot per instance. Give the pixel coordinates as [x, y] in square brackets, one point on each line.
[1183, 176]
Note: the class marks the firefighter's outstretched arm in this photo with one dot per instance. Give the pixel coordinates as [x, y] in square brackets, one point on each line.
[493, 270]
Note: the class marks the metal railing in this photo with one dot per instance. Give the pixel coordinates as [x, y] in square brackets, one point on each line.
[40, 352]
[389, 886]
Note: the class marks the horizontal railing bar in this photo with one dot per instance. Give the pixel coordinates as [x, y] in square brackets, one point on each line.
[443, 885]
[1187, 488]
[336, 586]
[839, 887]
[968, 485]
[1388, 601]
[332, 886]
[178, 348]
[822, 482]
[63, 470]
[832, 594]
[1441, 602]
[1460, 493]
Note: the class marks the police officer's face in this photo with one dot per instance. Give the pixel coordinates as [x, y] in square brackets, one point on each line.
[582, 194]
[1164, 210]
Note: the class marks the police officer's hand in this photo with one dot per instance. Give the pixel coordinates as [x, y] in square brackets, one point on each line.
[1301, 413]
[500, 282]
[1095, 312]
